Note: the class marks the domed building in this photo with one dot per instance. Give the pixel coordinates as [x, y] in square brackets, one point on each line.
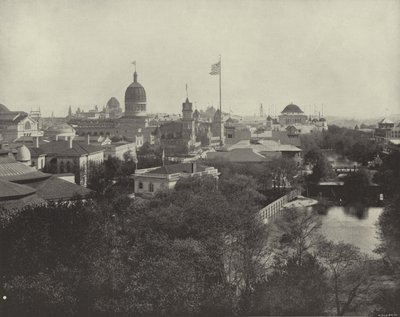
[113, 108]
[24, 155]
[292, 114]
[135, 99]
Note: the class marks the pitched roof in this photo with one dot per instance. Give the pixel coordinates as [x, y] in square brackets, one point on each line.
[13, 116]
[12, 170]
[178, 168]
[263, 146]
[61, 148]
[386, 121]
[54, 188]
[35, 152]
[9, 190]
[241, 155]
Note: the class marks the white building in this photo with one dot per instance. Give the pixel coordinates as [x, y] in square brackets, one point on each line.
[149, 180]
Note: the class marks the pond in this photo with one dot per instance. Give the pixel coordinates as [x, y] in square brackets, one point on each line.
[357, 226]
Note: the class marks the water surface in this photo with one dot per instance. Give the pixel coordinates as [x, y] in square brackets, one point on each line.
[352, 225]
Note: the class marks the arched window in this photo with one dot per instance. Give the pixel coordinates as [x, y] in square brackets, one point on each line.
[140, 185]
[27, 125]
[151, 187]
[62, 167]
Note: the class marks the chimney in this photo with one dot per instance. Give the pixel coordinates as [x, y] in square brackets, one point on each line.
[88, 138]
[36, 142]
[70, 142]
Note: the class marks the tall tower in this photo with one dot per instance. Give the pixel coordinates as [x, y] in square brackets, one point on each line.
[187, 118]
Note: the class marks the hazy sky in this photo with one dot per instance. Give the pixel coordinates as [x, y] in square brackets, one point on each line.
[342, 54]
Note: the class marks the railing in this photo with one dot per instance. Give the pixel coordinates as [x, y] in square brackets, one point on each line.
[276, 206]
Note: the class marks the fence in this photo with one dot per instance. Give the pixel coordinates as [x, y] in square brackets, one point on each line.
[276, 206]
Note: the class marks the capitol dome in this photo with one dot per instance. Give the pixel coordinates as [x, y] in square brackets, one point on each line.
[135, 99]
[292, 108]
[23, 154]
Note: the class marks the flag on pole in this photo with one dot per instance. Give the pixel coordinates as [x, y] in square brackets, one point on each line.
[216, 69]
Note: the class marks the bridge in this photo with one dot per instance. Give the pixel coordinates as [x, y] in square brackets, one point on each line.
[274, 208]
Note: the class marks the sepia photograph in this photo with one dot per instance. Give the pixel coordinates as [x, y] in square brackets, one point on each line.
[196, 158]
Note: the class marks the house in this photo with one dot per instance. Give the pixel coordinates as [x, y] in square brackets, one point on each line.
[246, 151]
[149, 180]
[17, 124]
[69, 156]
[22, 185]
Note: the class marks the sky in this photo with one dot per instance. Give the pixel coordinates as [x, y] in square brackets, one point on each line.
[342, 56]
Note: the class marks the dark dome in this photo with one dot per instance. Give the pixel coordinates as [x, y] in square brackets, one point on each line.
[292, 109]
[322, 120]
[113, 103]
[269, 118]
[135, 92]
[196, 114]
[3, 108]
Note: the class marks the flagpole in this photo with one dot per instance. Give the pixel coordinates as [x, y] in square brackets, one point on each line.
[220, 101]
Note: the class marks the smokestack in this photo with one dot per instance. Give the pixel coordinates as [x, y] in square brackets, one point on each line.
[70, 142]
[88, 138]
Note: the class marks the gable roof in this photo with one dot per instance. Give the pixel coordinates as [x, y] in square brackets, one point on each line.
[61, 148]
[12, 170]
[9, 190]
[55, 189]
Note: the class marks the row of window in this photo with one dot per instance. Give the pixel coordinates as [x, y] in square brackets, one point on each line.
[151, 187]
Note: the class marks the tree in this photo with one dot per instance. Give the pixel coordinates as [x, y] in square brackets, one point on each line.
[321, 170]
[348, 271]
[389, 232]
[355, 186]
[297, 233]
[293, 289]
[388, 175]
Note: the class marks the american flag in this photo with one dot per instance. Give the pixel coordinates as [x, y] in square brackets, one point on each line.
[216, 69]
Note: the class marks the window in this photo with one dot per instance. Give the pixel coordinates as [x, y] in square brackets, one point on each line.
[140, 185]
[27, 125]
[68, 167]
[151, 187]
[62, 167]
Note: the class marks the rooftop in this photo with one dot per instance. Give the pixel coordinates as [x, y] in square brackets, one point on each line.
[263, 146]
[55, 189]
[292, 108]
[179, 168]
[61, 147]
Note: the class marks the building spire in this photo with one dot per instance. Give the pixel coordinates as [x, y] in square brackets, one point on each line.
[135, 73]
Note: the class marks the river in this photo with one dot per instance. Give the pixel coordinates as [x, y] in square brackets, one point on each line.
[352, 225]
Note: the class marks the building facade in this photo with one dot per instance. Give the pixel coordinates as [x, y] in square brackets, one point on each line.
[150, 180]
